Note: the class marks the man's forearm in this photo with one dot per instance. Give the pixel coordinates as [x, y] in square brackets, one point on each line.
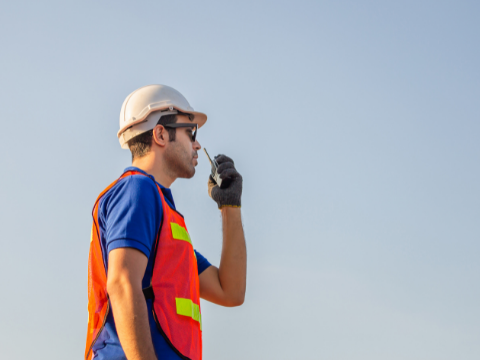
[131, 320]
[233, 264]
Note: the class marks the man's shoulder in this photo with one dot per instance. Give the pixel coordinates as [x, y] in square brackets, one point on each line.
[131, 189]
[130, 214]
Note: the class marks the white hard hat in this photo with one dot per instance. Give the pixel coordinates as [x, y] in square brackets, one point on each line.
[142, 109]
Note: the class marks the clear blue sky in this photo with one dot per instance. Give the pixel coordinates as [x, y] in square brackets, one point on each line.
[356, 127]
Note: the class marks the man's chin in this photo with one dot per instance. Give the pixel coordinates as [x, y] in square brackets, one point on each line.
[189, 174]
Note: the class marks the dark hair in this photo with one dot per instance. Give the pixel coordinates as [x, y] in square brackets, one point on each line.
[141, 144]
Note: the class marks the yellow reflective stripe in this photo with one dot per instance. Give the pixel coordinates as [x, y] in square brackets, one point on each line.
[180, 233]
[186, 307]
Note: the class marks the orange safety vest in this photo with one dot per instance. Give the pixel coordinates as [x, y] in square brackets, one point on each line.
[174, 286]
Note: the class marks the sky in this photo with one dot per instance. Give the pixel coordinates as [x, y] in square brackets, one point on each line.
[355, 126]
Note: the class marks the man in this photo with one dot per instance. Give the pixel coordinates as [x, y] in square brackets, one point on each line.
[145, 278]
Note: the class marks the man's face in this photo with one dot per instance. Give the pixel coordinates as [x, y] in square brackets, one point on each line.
[181, 155]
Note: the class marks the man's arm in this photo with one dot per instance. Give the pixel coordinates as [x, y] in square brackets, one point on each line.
[226, 285]
[126, 267]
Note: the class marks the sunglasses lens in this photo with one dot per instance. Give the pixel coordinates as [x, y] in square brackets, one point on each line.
[194, 134]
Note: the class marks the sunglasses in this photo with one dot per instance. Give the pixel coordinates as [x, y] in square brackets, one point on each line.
[184, 125]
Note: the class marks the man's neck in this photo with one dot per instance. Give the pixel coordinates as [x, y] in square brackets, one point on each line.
[151, 164]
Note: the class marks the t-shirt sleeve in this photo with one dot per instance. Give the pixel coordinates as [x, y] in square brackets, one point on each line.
[202, 262]
[133, 215]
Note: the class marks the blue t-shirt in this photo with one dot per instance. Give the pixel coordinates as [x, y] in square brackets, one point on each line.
[129, 215]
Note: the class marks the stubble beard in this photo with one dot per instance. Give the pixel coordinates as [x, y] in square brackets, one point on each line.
[179, 161]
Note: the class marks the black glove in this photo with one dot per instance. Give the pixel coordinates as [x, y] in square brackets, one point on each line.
[231, 191]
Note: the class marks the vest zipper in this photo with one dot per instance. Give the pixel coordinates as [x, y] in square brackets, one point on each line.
[100, 330]
[183, 357]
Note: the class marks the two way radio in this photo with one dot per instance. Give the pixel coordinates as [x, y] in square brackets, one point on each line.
[215, 175]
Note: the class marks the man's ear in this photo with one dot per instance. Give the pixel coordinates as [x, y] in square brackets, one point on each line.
[160, 135]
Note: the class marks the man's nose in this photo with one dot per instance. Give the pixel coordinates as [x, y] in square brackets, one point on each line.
[196, 145]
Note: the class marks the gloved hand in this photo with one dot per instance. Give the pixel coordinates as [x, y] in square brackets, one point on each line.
[231, 192]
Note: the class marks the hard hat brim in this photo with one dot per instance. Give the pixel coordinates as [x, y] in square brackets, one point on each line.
[198, 117]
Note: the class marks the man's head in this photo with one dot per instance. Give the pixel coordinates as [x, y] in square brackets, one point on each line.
[155, 125]
[142, 108]
[175, 144]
